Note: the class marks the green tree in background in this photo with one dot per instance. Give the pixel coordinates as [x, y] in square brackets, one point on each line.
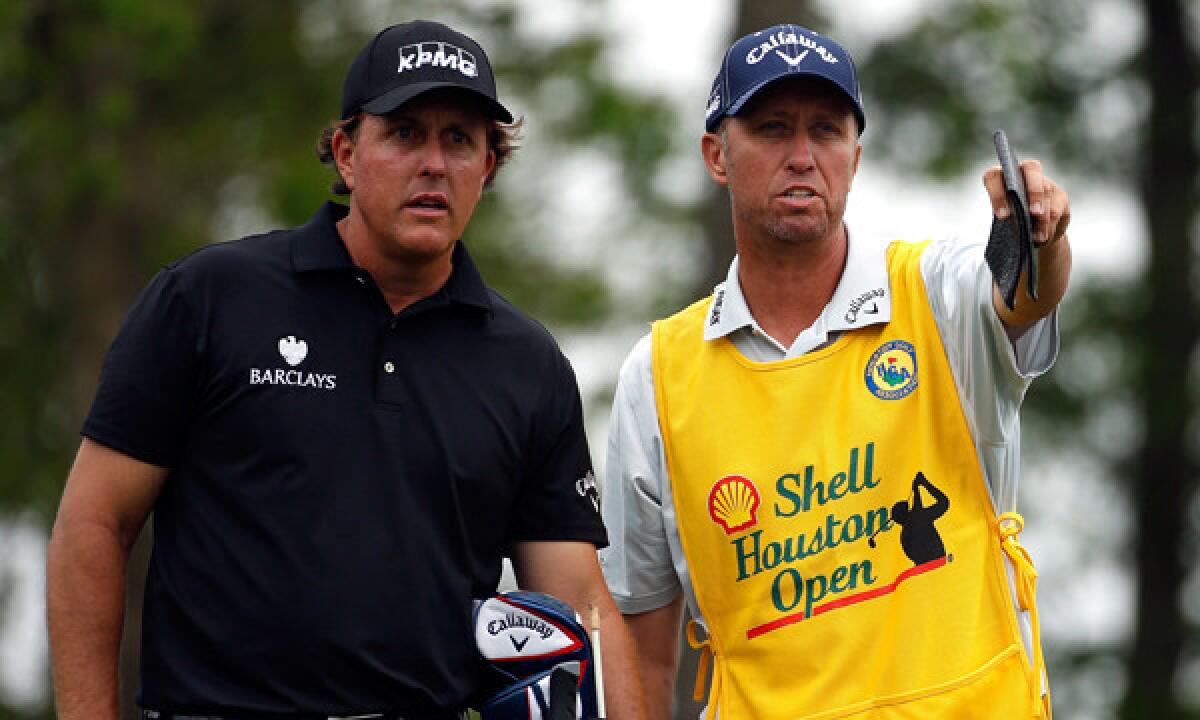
[133, 132]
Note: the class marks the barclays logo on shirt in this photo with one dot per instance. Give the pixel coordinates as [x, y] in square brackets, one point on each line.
[293, 350]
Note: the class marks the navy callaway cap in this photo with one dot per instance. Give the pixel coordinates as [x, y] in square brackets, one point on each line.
[406, 60]
[759, 59]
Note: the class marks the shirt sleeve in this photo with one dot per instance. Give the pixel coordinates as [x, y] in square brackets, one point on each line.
[992, 373]
[638, 564]
[147, 389]
[559, 500]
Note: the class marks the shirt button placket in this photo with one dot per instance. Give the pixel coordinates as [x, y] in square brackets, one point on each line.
[391, 383]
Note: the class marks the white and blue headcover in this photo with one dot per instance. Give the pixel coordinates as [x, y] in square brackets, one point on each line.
[525, 636]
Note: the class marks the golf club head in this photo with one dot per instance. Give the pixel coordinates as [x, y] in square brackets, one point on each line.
[525, 634]
[547, 695]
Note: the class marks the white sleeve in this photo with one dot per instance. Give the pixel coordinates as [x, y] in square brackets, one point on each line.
[637, 562]
[991, 372]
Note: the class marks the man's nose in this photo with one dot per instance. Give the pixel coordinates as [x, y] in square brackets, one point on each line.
[800, 157]
[433, 159]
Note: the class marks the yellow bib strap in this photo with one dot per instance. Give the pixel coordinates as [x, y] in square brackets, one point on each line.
[1011, 524]
[706, 658]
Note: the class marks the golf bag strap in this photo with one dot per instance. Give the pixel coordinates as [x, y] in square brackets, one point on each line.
[1025, 575]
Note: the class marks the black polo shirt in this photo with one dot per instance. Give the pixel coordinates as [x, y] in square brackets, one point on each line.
[344, 480]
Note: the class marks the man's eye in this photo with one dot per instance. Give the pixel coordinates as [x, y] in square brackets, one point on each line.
[403, 133]
[459, 137]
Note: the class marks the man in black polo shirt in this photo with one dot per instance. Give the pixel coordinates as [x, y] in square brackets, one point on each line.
[340, 430]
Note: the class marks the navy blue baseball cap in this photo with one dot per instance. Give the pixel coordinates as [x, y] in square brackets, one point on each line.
[782, 51]
[409, 59]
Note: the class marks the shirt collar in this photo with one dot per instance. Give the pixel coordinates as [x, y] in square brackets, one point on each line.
[317, 246]
[862, 298]
[728, 310]
[466, 284]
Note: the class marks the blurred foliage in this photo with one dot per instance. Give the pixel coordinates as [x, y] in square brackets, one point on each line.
[120, 124]
[1060, 78]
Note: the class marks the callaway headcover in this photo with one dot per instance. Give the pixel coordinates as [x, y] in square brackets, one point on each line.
[524, 637]
[550, 695]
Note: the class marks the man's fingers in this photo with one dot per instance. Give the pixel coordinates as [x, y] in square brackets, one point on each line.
[1064, 219]
[1048, 205]
[993, 180]
[1053, 224]
[1035, 186]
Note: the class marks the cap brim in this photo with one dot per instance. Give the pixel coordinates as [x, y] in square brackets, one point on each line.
[736, 106]
[389, 101]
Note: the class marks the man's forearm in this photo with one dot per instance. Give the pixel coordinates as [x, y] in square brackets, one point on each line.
[570, 572]
[623, 692]
[657, 637]
[85, 607]
[659, 682]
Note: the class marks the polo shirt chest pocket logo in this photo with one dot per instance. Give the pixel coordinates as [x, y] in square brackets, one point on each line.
[294, 351]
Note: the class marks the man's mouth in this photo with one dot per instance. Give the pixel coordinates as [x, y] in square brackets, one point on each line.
[428, 201]
[799, 192]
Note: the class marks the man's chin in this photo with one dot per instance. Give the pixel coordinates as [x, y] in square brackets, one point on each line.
[424, 244]
[805, 233]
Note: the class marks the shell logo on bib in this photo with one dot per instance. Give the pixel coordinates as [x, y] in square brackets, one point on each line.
[892, 370]
[733, 503]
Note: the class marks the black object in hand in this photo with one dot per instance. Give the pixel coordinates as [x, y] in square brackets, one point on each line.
[1010, 247]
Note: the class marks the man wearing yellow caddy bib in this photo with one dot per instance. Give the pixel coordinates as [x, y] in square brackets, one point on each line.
[821, 458]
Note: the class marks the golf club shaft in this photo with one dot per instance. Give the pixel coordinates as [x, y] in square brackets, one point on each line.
[597, 659]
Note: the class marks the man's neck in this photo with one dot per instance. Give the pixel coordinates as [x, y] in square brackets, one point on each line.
[788, 286]
[403, 280]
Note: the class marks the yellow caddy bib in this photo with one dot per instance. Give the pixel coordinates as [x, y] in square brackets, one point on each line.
[837, 526]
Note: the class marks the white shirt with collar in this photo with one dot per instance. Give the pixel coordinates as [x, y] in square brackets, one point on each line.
[644, 563]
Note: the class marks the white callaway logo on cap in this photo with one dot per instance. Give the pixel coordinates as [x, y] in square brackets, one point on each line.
[787, 37]
[437, 54]
[714, 104]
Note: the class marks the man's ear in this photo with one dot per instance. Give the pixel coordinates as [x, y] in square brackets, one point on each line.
[857, 157]
[343, 156]
[489, 168]
[713, 151]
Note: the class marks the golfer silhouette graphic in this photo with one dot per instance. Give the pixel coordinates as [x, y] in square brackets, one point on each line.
[918, 537]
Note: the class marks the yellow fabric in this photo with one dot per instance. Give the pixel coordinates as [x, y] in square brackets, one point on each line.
[1025, 577]
[705, 658]
[790, 480]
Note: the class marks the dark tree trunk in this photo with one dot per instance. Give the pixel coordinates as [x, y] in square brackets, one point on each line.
[1164, 476]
